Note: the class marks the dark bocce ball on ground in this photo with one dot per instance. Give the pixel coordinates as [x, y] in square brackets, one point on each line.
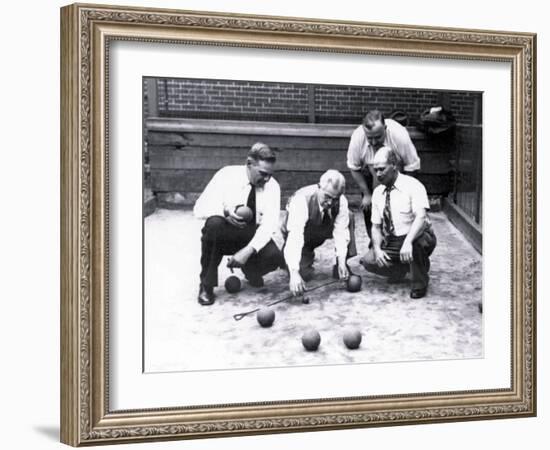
[354, 283]
[352, 339]
[311, 340]
[266, 317]
[232, 284]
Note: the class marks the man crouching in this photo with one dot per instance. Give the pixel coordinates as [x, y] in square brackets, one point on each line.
[316, 213]
[402, 234]
[225, 232]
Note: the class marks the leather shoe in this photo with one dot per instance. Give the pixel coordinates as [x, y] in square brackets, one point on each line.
[418, 293]
[206, 295]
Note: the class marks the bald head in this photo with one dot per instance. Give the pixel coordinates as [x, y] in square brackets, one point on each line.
[382, 155]
[386, 165]
[387, 155]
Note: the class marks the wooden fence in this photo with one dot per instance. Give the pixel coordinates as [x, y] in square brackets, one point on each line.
[184, 154]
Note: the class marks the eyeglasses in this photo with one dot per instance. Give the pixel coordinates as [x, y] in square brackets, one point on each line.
[328, 196]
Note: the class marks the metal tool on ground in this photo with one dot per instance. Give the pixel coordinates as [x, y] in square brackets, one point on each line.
[240, 316]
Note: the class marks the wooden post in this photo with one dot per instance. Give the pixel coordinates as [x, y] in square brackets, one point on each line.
[165, 84]
[479, 178]
[477, 112]
[311, 103]
[456, 181]
[477, 120]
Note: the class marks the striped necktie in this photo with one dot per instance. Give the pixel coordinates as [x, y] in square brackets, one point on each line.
[387, 222]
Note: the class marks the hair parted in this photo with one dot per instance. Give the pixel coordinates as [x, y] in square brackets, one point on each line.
[261, 152]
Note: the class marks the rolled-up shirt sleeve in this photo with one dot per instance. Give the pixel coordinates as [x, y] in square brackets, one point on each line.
[419, 198]
[297, 218]
[354, 150]
[270, 205]
[340, 232]
[211, 201]
[405, 148]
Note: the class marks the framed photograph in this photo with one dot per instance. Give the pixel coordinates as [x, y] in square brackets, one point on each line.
[277, 224]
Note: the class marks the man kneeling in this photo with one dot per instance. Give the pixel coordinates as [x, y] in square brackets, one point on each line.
[226, 233]
[317, 213]
[402, 235]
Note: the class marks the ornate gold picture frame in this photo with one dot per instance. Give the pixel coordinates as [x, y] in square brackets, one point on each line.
[87, 415]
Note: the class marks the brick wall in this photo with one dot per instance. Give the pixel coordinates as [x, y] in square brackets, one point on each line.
[288, 102]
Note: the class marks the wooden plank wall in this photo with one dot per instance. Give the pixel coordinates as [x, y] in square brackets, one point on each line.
[184, 154]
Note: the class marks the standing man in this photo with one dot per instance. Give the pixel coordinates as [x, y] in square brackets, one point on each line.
[226, 233]
[402, 234]
[316, 213]
[366, 140]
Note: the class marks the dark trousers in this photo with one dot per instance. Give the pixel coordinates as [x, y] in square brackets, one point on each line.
[315, 237]
[367, 212]
[423, 246]
[220, 238]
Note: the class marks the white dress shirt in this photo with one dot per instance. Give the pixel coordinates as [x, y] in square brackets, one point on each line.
[298, 215]
[229, 188]
[407, 199]
[361, 154]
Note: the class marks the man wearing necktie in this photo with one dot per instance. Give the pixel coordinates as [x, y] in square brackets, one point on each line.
[402, 236]
[374, 133]
[316, 213]
[250, 243]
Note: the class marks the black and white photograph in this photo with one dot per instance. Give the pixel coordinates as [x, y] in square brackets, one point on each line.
[292, 224]
[276, 223]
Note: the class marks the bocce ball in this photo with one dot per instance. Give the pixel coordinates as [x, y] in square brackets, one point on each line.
[265, 317]
[232, 284]
[354, 283]
[245, 213]
[311, 340]
[352, 339]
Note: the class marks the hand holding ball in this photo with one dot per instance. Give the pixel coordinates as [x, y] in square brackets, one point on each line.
[245, 213]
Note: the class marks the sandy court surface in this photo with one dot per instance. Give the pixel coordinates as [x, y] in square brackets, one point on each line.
[181, 335]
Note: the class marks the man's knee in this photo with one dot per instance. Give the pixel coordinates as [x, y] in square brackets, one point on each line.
[212, 226]
[424, 244]
[368, 261]
[271, 255]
